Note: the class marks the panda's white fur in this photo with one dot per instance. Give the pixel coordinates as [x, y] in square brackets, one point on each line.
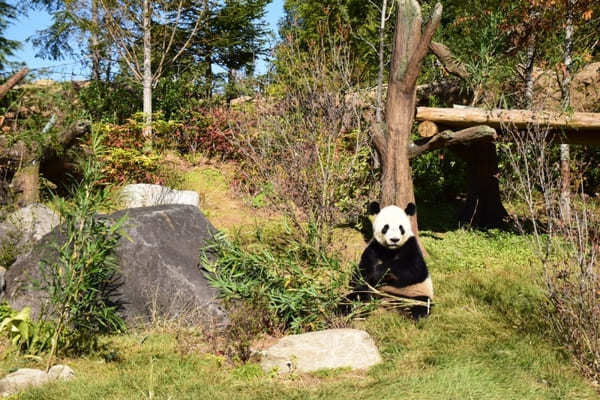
[424, 288]
[399, 228]
[393, 261]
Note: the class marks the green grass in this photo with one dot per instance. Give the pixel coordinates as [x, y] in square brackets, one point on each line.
[486, 339]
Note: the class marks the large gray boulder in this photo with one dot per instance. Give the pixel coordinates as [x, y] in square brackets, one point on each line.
[147, 195]
[28, 377]
[160, 275]
[331, 348]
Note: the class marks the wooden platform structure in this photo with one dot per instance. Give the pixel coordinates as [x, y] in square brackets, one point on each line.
[574, 128]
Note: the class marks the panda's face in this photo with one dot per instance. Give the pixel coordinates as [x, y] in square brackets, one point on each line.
[391, 227]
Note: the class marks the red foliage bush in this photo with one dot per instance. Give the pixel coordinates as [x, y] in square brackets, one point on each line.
[209, 130]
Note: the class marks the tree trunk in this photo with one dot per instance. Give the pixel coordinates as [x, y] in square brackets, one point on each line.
[147, 79]
[565, 86]
[94, 43]
[26, 184]
[483, 207]
[379, 96]
[410, 47]
[209, 74]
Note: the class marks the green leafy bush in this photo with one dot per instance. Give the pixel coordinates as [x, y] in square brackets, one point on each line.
[128, 160]
[79, 282]
[114, 102]
[25, 334]
[300, 287]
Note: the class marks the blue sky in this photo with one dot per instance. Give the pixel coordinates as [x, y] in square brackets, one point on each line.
[70, 68]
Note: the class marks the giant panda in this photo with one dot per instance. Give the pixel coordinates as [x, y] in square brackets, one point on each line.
[393, 262]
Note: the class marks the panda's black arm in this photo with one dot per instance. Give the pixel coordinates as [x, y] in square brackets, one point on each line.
[411, 268]
[371, 268]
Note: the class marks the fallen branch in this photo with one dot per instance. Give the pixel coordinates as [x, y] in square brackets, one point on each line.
[449, 60]
[449, 138]
[12, 81]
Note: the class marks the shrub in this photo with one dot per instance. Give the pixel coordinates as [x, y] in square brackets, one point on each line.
[208, 130]
[566, 239]
[127, 160]
[78, 283]
[300, 287]
[114, 102]
[25, 334]
[312, 147]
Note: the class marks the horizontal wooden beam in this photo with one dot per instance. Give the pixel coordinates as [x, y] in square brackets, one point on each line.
[577, 127]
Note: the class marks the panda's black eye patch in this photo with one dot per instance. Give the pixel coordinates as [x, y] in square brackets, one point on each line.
[385, 229]
[401, 229]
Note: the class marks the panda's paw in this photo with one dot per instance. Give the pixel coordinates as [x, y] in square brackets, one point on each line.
[418, 312]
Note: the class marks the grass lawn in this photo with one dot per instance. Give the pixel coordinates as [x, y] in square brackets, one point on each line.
[486, 339]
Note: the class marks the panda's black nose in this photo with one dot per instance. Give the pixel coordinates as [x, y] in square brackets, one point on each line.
[395, 240]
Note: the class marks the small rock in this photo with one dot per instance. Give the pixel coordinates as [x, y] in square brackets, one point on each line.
[147, 195]
[28, 377]
[332, 348]
[240, 100]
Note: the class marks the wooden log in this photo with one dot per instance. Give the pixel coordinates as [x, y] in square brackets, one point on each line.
[427, 129]
[449, 138]
[12, 81]
[576, 128]
[19, 151]
[75, 130]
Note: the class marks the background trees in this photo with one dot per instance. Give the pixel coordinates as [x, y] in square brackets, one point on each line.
[7, 46]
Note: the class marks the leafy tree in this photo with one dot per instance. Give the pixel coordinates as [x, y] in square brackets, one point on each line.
[72, 21]
[130, 24]
[232, 36]
[7, 46]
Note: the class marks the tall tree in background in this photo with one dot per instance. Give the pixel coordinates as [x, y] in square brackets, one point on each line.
[359, 21]
[232, 37]
[130, 23]
[7, 46]
[74, 22]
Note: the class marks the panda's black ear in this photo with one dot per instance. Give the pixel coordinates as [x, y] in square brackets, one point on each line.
[411, 209]
[373, 208]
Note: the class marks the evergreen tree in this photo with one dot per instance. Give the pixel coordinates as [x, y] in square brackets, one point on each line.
[7, 46]
[232, 37]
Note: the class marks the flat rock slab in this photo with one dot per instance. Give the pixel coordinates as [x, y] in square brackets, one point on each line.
[160, 273]
[147, 195]
[28, 377]
[332, 348]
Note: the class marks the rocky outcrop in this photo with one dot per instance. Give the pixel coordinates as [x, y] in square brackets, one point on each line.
[585, 90]
[147, 195]
[160, 275]
[332, 348]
